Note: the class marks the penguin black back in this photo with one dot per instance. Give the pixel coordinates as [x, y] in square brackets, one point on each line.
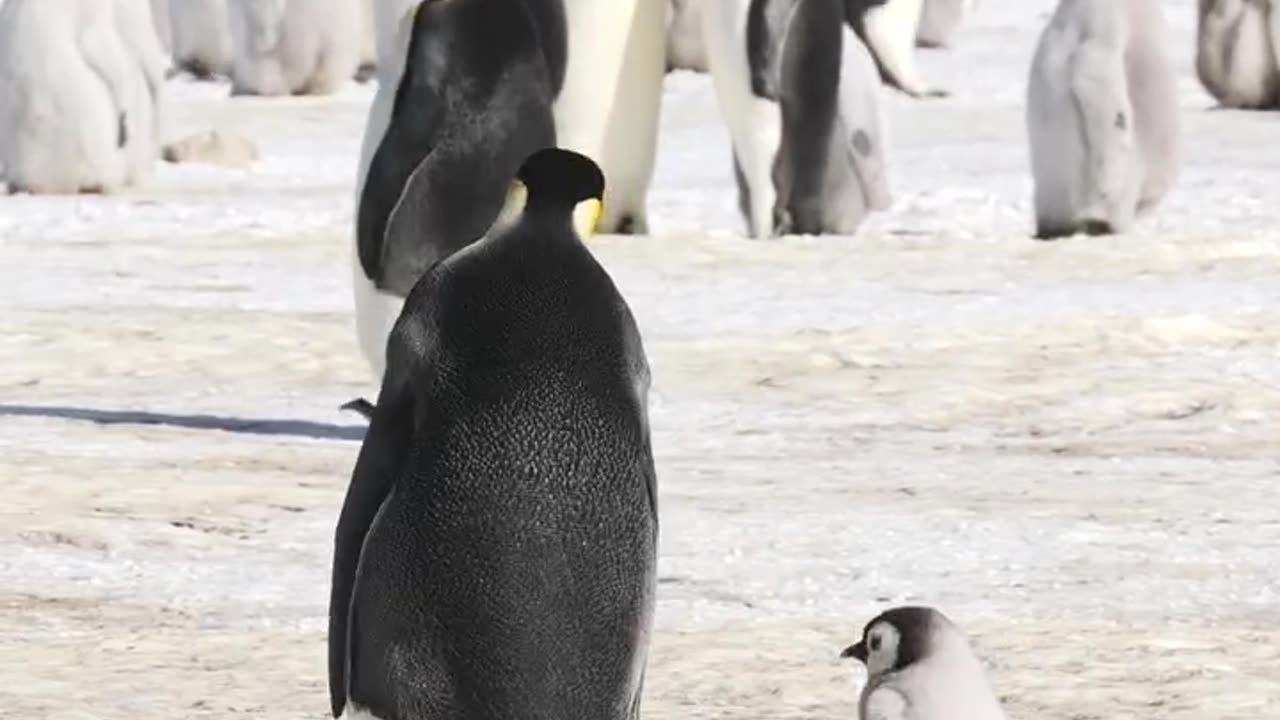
[510, 570]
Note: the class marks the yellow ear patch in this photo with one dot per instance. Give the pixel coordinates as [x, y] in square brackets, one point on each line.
[517, 196]
[586, 215]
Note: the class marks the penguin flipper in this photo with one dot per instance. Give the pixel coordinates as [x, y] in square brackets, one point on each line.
[360, 405]
[386, 445]
[893, 58]
[412, 134]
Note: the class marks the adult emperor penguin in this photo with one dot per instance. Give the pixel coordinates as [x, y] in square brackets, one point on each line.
[294, 47]
[608, 107]
[495, 555]
[888, 27]
[939, 20]
[799, 93]
[66, 84]
[920, 667]
[201, 37]
[462, 103]
[1102, 116]
[1236, 46]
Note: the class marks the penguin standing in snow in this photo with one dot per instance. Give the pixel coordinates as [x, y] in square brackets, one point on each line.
[495, 556]
[920, 667]
[800, 95]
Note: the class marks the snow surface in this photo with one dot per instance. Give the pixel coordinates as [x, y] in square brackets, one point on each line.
[1069, 447]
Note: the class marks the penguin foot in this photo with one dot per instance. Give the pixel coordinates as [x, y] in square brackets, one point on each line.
[1095, 226]
[631, 225]
[365, 72]
[360, 405]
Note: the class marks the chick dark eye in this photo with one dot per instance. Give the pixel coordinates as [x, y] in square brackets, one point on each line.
[875, 643]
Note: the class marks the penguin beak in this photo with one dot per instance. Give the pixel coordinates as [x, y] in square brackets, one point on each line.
[858, 651]
[586, 215]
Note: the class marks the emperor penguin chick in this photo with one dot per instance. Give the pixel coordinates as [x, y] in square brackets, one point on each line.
[1102, 117]
[920, 667]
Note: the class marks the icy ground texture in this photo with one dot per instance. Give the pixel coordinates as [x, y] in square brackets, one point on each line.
[1069, 447]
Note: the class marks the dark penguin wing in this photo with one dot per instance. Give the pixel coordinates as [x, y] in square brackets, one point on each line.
[416, 120]
[382, 455]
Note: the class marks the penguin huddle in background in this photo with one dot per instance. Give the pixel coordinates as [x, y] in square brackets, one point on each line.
[920, 667]
[496, 551]
[1102, 117]
[271, 47]
[1238, 52]
[80, 95]
[294, 47]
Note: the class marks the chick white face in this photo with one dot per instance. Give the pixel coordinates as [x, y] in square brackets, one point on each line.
[882, 642]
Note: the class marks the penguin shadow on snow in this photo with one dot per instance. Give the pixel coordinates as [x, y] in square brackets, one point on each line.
[242, 425]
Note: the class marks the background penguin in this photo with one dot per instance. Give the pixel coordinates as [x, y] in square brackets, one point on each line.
[298, 47]
[608, 106]
[888, 27]
[145, 112]
[201, 37]
[496, 552]
[1236, 49]
[920, 667]
[685, 49]
[469, 99]
[1102, 116]
[940, 19]
[800, 96]
[66, 84]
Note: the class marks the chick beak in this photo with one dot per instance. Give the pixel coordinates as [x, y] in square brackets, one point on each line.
[858, 651]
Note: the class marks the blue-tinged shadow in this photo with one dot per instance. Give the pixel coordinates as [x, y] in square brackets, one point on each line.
[248, 426]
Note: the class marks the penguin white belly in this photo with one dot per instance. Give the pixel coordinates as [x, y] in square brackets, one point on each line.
[376, 311]
[755, 123]
[376, 314]
[608, 107]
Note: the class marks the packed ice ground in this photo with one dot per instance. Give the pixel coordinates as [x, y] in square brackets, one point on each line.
[1070, 447]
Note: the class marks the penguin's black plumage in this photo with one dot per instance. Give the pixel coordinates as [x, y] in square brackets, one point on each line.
[496, 552]
[474, 100]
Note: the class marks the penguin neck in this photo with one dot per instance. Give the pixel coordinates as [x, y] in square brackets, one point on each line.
[549, 215]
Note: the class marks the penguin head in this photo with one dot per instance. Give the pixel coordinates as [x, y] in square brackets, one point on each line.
[895, 639]
[556, 182]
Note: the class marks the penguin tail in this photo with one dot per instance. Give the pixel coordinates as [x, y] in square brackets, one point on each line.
[360, 405]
